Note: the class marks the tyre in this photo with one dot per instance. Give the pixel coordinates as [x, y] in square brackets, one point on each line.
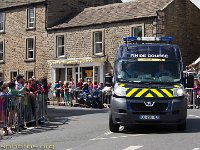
[182, 126]
[113, 127]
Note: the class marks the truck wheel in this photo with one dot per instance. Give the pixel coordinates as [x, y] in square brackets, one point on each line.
[113, 127]
[182, 126]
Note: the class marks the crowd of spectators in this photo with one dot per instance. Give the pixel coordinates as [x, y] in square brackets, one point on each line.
[68, 91]
[16, 88]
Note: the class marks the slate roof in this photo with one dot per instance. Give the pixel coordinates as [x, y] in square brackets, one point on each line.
[13, 3]
[115, 12]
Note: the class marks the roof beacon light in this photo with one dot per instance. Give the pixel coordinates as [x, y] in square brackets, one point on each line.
[130, 38]
[148, 39]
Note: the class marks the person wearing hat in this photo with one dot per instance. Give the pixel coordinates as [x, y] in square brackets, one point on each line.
[20, 87]
[12, 104]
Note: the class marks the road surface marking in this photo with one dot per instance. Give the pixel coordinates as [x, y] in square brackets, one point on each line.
[196, 149]
[69, 149]
[133, 147]
[114, 137]
[108, 133]
[194, 116]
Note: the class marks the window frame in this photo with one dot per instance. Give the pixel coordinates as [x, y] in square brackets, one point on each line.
[3, 22]
[32, 50]
[101, 42]
[1, 76]
[28, 71]
[60, 46]
[28, 22]
[135, 26]
[3, 51]
[12, 74]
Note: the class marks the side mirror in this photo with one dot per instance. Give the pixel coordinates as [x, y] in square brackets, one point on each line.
[108, 79]
[190, 81]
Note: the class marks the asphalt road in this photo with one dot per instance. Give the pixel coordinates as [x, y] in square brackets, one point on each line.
[87, 129]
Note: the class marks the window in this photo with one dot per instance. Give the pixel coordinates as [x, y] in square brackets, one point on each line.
[1, 76]
[98, 42]
[31, 18]
[69, 74]
[30, 48]
[13, 74]
[137, 31]
[60, 46]
[1, 51]
[2, 21]
[29, 74]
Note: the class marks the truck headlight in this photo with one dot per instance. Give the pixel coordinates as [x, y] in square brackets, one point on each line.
[178, 92]
[119, 91]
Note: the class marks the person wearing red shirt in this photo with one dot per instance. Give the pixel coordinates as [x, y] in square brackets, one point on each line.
[80, 83]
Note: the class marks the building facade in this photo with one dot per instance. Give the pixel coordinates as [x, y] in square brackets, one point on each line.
[23, 34]
[89, 40]
[89, 52]
[22, 40]
[65, 39]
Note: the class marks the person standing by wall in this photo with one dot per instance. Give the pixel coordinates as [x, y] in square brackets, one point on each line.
[12, 105]
[80, 83]
[57, 91]
[72, 87]
[66, 92]
[19, 85]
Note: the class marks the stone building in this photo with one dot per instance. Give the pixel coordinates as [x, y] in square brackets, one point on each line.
[65, 39]
[23, 33]
[22, 38]
[85, 45]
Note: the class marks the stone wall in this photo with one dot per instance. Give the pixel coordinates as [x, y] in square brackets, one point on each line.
[179, 20]
[78, 41]
[15, 43]
[193, 30]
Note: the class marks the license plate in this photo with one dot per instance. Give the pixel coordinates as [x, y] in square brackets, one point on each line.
[149, 117]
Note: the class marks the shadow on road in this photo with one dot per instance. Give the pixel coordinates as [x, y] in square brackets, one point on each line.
[192, 127]
[58, 116]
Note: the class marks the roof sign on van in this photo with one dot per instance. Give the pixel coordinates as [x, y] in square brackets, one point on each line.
[130, 39]
[149, 55]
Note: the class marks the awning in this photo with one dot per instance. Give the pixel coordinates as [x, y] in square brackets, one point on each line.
[73, 61]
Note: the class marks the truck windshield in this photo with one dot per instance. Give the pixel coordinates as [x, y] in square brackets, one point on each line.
[151, 71]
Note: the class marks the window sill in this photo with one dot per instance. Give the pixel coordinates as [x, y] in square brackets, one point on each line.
[2, 32]
[2, 62]
[30, 29]
[61, 57]
[99, 55]
[29, 60]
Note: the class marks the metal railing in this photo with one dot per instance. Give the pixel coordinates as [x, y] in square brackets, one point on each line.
[193, 98]
[17, 112]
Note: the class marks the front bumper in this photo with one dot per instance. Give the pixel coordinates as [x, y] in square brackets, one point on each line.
[129, 111]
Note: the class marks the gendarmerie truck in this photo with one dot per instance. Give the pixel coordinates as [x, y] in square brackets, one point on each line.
[148, 84]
